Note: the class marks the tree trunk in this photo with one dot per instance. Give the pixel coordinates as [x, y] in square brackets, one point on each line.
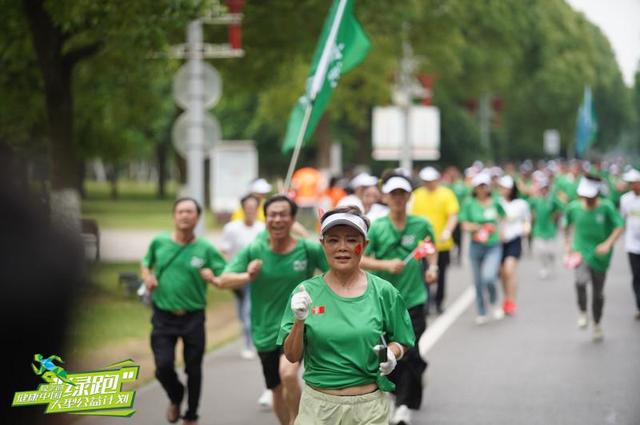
[113, 181]
[323, 131]
[48, 41]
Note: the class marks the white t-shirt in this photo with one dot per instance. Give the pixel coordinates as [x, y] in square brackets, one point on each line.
[517, 213]
[630, 210]
[377, 211]
[236, 235]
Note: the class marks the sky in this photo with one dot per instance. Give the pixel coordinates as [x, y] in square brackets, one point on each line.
[619, 20]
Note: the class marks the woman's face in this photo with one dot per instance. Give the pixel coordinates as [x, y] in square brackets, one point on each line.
[370, 196]
[482, 191]
[504, 192]
[343, 246]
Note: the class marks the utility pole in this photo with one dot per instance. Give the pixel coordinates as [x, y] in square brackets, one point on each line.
[199, 97]
[406, 87]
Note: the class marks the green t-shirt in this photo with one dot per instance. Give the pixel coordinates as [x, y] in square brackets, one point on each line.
[592, 227]
[177, 268]
[473, 211]
[280, 273]
[388, 243]
[460, 189]
[545, 209]
[340, 333]
[567, 184]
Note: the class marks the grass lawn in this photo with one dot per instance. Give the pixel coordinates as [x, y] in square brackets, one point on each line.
[106, 316]
[136, 208]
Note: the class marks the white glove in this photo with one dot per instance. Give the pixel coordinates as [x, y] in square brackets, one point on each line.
[300, 303]
[388, 366]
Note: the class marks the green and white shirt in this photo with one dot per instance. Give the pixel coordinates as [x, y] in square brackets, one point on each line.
[177, 268]
[280, 273]
[544, 209]
[386, 242]
[474, 212]
[591, 228]
[340, 333]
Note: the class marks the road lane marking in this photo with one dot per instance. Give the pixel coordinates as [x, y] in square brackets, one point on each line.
[435, 331]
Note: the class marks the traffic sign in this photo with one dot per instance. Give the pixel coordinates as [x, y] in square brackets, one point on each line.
[211, 85]
[185, 123]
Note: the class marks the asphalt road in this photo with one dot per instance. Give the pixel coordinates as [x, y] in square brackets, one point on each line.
[534, 368]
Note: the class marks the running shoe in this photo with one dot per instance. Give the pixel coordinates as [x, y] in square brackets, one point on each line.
[597, 332]
[498, 313]
[583, 320]
[481, 319]
[173, 413]
[509, 308]
[266, 400]
[247, 354]
[402, 416]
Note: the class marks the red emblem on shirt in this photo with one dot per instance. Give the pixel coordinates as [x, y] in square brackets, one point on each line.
[317, 310]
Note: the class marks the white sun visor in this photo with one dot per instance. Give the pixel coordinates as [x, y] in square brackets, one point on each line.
[588, 188]
[632, 176]
[345, 219]
[396, 183]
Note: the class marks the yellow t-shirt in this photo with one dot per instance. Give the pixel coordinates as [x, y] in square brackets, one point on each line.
[238, 214]
[435, 206]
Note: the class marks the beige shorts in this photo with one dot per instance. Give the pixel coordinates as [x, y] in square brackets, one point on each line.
[318, 408]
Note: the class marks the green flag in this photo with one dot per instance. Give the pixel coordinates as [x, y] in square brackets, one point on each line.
[342, 45]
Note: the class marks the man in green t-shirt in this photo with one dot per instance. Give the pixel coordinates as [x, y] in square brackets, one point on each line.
[175, 271]
[394, 241]
[597, 225]
[546, 209]
[274, 264]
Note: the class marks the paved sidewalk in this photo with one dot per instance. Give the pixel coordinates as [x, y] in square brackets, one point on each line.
[130, 245]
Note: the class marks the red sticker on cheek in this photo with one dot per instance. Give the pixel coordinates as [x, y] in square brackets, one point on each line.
[358, 249]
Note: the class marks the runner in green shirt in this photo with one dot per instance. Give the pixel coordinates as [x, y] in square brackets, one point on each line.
[390, 255]
[481, 215]
[273, 266]
[175, 270]
[337, 322]
[596, 226]
[546, 209]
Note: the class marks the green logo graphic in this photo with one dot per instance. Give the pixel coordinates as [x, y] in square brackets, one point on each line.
[96, 393]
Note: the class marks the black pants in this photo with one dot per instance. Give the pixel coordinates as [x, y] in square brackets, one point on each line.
[584, 275]
[634, 261]
[167, 328]
[438, 298]
[457, 240]
[408, 373]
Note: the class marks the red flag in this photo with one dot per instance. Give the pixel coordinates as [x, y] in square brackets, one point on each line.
[317, 310]
[424, 249]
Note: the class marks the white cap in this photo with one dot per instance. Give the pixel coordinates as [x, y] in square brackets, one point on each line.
[396, 183]
[632, 176]
[496, 172]
[506, 181]
[540, 178]
[588, 188]
[429, 174]
[481, 178]
[345, 219]
[260, 186]
[363, 179]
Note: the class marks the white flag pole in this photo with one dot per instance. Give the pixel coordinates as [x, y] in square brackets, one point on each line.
[297, 148]
[316, 85]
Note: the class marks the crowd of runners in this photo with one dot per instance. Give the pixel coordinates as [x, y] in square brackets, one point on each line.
[344, 288]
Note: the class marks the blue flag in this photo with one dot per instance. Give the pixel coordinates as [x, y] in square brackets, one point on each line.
[586, 124]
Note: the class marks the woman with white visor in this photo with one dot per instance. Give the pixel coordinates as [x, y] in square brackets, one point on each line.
[349, 326]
